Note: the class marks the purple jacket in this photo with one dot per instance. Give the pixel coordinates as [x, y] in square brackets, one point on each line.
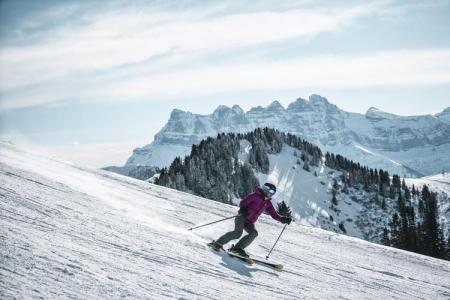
[256, 205]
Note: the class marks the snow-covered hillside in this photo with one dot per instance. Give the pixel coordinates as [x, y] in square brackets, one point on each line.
[71, 232]
[411, 146]
[309, 195]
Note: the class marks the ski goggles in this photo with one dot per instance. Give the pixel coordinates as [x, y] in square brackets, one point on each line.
[268, 190]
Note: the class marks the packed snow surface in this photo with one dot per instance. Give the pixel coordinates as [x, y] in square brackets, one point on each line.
[71, 232]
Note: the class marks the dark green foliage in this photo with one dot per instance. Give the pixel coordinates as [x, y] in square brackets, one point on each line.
[213, 169]
[284, 210]
[259, 156]
[342, 227]
[306, 167]
[334, 199]
[358, 176]
[345, 189]
[425, 237]
[407, 193]
[383, 204]
[385, 239]
[394, 225]
[392, 192]
[448, 248]
[334, 192]
[431, 233]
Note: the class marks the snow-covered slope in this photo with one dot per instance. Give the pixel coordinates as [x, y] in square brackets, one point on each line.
[359, 212]
[309, 194]
[71, 232]
[409, 146]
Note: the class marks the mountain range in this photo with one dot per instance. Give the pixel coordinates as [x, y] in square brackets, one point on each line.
[411, 146]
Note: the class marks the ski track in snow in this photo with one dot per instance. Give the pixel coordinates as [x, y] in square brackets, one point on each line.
[71, 232]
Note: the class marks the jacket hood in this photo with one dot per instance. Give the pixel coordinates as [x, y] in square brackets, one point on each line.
[261, 192]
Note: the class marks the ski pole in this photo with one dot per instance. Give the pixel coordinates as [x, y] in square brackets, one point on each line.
[267, 257]
[190, 229]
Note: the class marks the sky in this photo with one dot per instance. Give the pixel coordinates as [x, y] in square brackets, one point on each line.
[91, 80]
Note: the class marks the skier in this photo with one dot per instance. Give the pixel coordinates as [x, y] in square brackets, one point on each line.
[250, 209]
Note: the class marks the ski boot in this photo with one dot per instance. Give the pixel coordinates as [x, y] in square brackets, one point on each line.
[215, 246]
[238, 251]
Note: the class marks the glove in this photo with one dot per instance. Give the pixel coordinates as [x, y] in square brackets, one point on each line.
[286, 220]
[243, 212]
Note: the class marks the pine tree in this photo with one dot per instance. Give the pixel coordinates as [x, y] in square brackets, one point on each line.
[334, 200]
[342, 227]
[383, 204]
[306, 167]
[432, 240]
[395, 231]
[407, 194]
[345, 189]
[448, 248]
[284, 210]
[385, 238]
[334, 191]
[392, 192]
[403, 234]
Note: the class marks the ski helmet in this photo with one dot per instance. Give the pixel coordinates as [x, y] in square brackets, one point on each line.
[269, 188]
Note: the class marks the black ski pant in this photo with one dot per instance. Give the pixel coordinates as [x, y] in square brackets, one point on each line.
[240, 223]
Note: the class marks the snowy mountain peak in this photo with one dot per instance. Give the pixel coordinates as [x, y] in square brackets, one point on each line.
[275, 106]
[298, 105]
[221, 111]
[256, 109]
[177, 113]
[237, 110]
[444, 115]
[319, 103]
[318, 100]
[376, 114]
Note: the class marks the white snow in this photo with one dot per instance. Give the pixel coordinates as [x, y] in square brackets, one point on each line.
[72, 232]
[375, 154]
[160, 155]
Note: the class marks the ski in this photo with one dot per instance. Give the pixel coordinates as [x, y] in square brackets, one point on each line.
[237, 256]
[248, 260]
[276, 266]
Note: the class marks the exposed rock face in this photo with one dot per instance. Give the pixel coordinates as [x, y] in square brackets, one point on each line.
[444, 115]
[410, 146]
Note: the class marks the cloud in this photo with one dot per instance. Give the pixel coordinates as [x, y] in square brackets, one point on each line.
[127, 36]
[402, 68]
[423, 67]
[139, 53]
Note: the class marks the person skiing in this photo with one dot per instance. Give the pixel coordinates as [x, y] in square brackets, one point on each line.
[250, 209]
